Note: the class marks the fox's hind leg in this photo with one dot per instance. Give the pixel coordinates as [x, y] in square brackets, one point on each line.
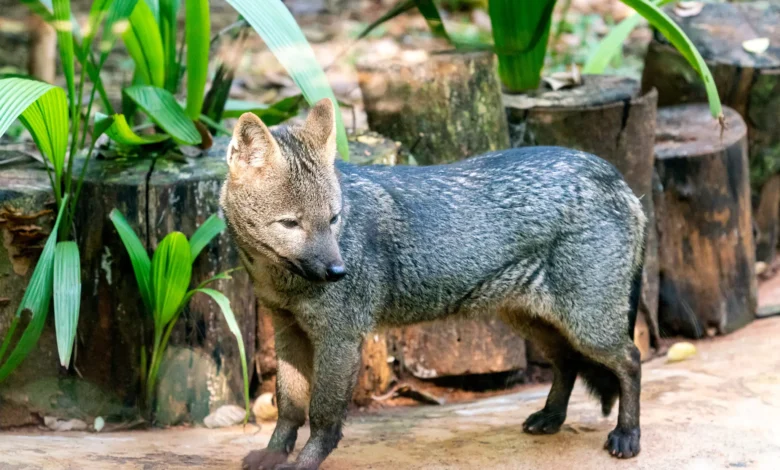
[624, 363]
[565, 364]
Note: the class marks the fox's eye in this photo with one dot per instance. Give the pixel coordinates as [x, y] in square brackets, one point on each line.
[335, 219]
[289, 223]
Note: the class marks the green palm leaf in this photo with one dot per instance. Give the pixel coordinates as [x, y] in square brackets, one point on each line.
[36, 300]
[661, 21]
[120, 131]
[198, 37]
[169, 10]
[230, 318]
[67, 297]
[47, 121]
[204, 234]
[274, 23]
[171, 272]
[139, 258]
[162, 108]
[144, 45]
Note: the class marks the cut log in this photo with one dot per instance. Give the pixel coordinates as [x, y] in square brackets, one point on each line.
[706, 250]
[42, 60]
[748, 82]
[442, 110]
[375, 373]
[156, 197]
[26, 216]
[608, 117]
[766, 216]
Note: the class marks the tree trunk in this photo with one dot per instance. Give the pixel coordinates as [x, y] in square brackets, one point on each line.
[442, 110]
[706, 249]
[608, 117]
[42, 59]
[747, 82]
[766, 217]
[157, 197]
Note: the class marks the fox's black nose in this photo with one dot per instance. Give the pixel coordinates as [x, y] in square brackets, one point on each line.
[334, 272]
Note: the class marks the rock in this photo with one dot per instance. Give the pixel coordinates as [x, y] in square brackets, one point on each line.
[264, 408]
[60, 425]
[224, 416]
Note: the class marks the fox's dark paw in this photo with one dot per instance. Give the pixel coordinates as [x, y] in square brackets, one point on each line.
[544, 422]
[264, 460]
[623, 444]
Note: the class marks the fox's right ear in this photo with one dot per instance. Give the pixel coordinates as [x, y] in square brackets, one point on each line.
[252, 144]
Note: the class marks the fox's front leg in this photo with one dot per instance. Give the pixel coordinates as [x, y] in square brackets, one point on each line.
[294, 354]
[336, 364]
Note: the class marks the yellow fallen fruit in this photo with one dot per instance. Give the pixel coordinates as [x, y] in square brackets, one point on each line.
[264, 408]
[680, 351]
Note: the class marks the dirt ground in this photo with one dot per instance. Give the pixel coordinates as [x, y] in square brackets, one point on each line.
[718, 409]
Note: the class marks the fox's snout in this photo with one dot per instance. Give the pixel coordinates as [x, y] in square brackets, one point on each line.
[318, 271]
[335, 272]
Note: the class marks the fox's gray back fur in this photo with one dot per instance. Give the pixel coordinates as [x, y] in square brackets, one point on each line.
[543, 237]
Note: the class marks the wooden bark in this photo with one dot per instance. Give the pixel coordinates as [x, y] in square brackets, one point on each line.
[442, 110]
[608, 117]
[157, 197]
[42, 60]
[706, 249]
[26, 217]
[746, 81]
[375, 373]
[766, 217]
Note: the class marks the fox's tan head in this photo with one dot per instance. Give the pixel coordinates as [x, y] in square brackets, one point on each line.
[282, 196]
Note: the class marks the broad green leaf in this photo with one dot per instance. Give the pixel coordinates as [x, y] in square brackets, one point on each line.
[277, 27]
[271, 115]
[198, 34]
[230, 318]
[204, 234]
[171, 272]
[162, 108]
[661, 21]
[47, 121]
[520, 33]
[16, 95]
[169, 10]
[612, 44]
[36, 300]
[67, 297]
[120, 132]
[64, 24]
[144, 45]
[117, 24]
[97, 13]
[139, 258]
[398, 9]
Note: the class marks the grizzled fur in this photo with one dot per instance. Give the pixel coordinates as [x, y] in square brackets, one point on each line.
[548, 239]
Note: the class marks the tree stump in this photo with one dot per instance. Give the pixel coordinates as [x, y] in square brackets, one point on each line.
[746, 81]
[157, 197]
[442, 110]
[706, 251]
[608, 117]
[26, 216]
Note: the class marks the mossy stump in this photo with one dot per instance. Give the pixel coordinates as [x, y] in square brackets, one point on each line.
[157, 196]
[441, 110]
[608, 117]
[748, 82]
[706, 250]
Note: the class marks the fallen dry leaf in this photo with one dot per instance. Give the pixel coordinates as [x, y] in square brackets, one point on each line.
[756, 46]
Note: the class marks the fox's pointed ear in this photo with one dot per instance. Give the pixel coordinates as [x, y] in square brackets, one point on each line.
[320, 128]
[252, 144]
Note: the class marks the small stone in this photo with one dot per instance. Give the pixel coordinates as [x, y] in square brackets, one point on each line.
[60, 425]
[264, 408]
[99, 424]
[680, 351]
[227, 415]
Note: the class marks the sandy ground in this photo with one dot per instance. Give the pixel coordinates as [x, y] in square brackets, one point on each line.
[719, 409]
